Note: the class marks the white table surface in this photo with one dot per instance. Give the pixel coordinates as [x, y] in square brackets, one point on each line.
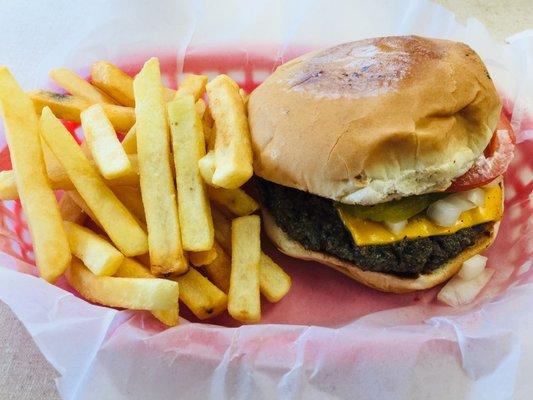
[24, 372]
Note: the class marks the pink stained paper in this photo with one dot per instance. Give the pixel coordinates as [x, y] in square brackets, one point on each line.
[330, 337]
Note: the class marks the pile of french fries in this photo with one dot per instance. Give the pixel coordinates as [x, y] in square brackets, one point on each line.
[150, 221]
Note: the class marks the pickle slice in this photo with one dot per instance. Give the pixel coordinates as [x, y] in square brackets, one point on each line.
[392, 211]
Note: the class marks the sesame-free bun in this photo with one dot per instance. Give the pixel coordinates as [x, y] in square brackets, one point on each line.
[377, 280]
[373, 120]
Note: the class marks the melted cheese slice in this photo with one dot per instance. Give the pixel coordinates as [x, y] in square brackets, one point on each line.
[366, 232]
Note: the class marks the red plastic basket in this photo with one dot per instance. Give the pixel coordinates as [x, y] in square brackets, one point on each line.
[249, 70]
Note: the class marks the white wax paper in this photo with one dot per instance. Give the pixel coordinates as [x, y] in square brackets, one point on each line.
[349, 341]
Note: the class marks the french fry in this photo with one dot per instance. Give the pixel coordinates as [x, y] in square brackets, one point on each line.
[96, 253]
[129, 143]
[76, 85]
[115, 218]
[244, 303]
[133, 293]
[219, 270]
[237, 201]
[50, 161]
[113, 81]
[70, 107]
[64, 106]
[200, 108]
[59, 180]
[188, 147]
[157, 183]
[203, 298]
[122, 118]
[132, 199]
[274, 283]
[222, 226]
[206, 166]
[244, 97]
[132, 269]
[50, 241]
[233, 151]
[69, 210]
[109, 156]
[209, 130]
[119, 85]
[193, 85]
[205, 257]
[78, 200]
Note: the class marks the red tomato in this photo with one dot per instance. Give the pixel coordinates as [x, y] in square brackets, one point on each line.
[492, 163]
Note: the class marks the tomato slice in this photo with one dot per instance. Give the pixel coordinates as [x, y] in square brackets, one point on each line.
[493, 163]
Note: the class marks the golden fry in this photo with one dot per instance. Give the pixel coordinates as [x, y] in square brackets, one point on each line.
[109, 156]
[157, 183]
[70, 211]
[206, 166]
[64, 106]
[274, 283]
[113, 81]
[132, 269]
[76, 85]
[209, 131]
[237, 201]
[233, 151]
[132, 199]
[118, 84]
[244, 97]
[133, 293]
[50, 241]
[193, 85]
[116, 220]
[203, 298]
[219, 270]
[122, 118]
[244, 303]
[188, 147]
[222, 227]
[205, 257]
[129, 143]
[59, 180]
[70, 107]
[96, 253]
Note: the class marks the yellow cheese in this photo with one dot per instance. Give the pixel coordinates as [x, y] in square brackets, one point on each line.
[366, 232]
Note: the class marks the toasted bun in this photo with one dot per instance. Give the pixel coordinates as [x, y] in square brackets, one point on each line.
[378, 280]
[373, 120]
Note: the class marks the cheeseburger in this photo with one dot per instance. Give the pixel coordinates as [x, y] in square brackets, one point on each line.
[382, 158]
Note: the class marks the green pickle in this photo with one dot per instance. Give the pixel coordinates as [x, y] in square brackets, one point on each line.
[392, 211]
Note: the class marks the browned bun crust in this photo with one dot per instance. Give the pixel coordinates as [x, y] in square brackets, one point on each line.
[368, 121]
[377, 280]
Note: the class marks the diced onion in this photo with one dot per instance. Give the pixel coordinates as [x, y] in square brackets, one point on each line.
[476, 196]
[473, 267]
[459, 291]
[446, 212]
[461, 202]
[396, 227]
[443, 213]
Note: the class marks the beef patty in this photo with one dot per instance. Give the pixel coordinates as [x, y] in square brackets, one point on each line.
[314, 222]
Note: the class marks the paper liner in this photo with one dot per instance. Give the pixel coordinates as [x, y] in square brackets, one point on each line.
[329, 337]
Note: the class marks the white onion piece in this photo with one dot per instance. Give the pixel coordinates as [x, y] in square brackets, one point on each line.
[460, 201]
[396, 227]
[473, 267]
[476, 196]
[459, 291]
[443, 213]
